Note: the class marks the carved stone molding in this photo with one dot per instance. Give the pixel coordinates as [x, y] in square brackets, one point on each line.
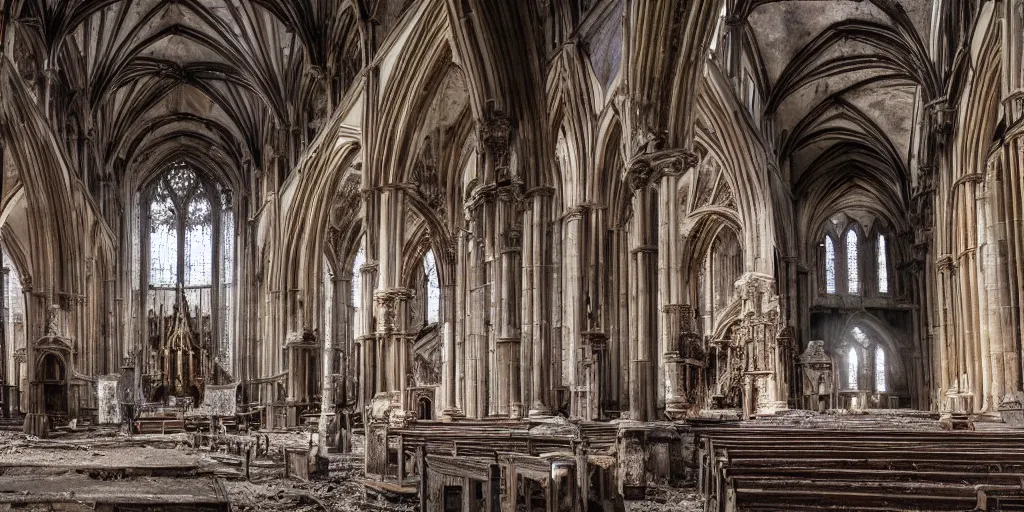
[495, 134]
[369, 266]
[389, 301]
[648, 167]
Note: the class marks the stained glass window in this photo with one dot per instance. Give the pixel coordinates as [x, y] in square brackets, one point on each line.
[852, 269]
[830, 265]
[852, 366]
[880, 370]
[433, 288]
[883, 267]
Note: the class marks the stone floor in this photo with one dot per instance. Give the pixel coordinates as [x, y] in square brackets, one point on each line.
[101, 461]
[96, 461]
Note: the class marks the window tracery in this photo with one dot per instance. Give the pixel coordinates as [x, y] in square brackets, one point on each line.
[181, 246]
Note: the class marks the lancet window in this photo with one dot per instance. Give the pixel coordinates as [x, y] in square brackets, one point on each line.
[852, 264]
[433, 288]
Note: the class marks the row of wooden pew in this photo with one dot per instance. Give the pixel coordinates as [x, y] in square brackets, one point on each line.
[756, 468]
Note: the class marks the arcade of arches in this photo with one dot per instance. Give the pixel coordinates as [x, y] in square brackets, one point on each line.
[386, 215]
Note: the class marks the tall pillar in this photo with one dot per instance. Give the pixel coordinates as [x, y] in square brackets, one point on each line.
[476, 317]
[394, 341]
[669, 167]
[948, 360]
[642, 396]
[449, 374]
[536, 262]
[370, 379]
[508, 287]
[573, 321]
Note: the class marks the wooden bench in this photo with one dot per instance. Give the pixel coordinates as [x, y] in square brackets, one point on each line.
[783, 469]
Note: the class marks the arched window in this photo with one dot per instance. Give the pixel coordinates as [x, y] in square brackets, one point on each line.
[180, 231]
[880, 385]
[183, 237]
[830, 265]
[883, 266]
[852, 268]
[433, 288]
[852, 366]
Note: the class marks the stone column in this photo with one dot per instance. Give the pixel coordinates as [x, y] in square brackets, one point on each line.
[392, 307]
[370, 378]
[573, 321]
[642, 396]
[537, 347]
[449, 376]
[507, 279]
[476, 311]
[948, 360]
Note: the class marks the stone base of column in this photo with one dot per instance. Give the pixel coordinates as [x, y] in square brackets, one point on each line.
[677, 409]
[770, 408]
[539, 412]
[37, 424]
[1011, 409]
[451, 413]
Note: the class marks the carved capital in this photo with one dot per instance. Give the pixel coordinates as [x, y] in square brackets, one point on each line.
[648, 167]
[369, 266]
[639, 174]
[389, 300]
[495, 134]
[576, 212]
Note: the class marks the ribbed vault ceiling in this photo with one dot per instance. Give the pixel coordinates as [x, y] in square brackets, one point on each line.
[843, 77]
[220, 83]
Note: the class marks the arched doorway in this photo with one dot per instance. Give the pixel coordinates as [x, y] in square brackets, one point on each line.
[424, 408]
[53, 377]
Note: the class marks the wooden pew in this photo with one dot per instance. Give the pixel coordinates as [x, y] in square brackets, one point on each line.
[782, 469]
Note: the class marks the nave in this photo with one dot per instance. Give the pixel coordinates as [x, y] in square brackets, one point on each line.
[522, 254]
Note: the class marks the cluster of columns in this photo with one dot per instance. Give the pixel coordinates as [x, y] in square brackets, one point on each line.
[549, 306]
